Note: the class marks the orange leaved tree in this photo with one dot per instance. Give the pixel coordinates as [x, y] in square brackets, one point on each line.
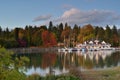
[48, 38]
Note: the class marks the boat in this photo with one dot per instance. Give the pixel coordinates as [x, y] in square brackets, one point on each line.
[65, 49]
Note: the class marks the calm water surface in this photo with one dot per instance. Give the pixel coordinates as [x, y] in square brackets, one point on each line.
[61, 62]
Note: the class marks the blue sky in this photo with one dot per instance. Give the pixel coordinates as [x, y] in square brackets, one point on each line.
[19, 13]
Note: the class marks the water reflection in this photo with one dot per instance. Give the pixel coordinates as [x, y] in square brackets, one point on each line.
[59, 63]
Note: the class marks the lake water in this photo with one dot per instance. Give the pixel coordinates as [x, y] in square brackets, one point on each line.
[61, 62]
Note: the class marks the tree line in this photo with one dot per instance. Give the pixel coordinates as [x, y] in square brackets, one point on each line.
[51, 35]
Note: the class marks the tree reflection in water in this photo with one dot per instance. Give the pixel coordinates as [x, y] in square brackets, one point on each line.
[61, 62]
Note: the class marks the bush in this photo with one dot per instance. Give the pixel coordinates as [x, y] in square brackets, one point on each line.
[52, 77]
[9, 68]
[8, 43]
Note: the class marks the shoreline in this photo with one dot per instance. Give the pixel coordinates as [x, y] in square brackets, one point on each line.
[106, 74]
[33, 50]
[103, 74]
[38, 49]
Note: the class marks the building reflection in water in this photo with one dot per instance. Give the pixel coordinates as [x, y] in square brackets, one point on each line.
[88, 60]
[61, 62]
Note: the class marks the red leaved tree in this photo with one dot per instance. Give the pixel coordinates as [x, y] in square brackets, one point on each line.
[48, 39]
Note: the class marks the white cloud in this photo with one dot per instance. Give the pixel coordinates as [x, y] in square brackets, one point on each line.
[69, 13]
[42, 18]
[76, 16]
[81, 17]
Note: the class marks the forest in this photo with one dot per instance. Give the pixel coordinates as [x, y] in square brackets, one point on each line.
[56, 35]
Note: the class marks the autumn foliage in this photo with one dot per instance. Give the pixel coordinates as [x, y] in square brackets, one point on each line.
[47, 36]
[48, 39]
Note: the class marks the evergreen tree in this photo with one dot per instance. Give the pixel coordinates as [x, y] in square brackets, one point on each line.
[26, 27]
[29, 36]
[60, 29]
[17, 33]
[101, 33]
[114, 30]
[50, 26]
[115, 36]
[66, 25]
[7, 33]
[43, 27]
[76, 31]
[96, 32]
[108, 34]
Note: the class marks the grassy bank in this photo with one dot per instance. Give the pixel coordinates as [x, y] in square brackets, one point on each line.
[105, 74]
